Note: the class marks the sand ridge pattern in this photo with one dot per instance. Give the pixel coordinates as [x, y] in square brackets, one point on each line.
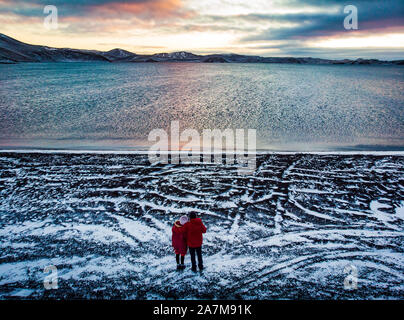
[285, 231]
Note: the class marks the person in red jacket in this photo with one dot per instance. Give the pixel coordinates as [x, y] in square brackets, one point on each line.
[193, 231]
[179, 241]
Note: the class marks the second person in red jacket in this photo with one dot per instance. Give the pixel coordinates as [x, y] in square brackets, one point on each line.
[193, 231]
[179, 241]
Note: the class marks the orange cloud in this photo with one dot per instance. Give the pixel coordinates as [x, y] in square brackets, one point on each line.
[155, 9]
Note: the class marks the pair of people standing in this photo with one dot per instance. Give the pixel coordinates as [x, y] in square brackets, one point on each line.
[188, 233]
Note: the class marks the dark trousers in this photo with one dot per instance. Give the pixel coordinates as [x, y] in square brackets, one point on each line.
[199, 253]
[177, 257]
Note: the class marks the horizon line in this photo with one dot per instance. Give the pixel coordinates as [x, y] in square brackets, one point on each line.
[204, 55]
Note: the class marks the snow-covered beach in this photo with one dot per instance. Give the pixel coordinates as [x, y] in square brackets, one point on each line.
[287, 230]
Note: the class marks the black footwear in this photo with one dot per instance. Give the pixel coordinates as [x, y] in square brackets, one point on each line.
[182, 266]
[200, 268]
[178, 267]
[194, 269]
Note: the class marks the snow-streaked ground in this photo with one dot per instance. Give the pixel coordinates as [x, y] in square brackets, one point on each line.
[286, 231]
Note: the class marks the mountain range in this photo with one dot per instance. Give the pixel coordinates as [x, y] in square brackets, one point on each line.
[14, 51]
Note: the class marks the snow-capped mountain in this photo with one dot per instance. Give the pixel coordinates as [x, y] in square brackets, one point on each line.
[12, 50]
[180, 55]
[118, 54]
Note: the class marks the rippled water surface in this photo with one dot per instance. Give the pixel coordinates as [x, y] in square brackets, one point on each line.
[293, 107]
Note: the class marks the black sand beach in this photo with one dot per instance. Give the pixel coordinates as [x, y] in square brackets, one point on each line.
[288, 230]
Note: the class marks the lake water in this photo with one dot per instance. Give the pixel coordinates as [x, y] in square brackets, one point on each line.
[115, 106]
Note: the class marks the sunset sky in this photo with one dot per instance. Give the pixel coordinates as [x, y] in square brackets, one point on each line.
[256, 27]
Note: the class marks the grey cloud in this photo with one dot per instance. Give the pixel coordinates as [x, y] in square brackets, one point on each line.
[372, 15]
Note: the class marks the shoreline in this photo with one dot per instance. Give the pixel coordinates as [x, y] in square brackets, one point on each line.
[145, 152]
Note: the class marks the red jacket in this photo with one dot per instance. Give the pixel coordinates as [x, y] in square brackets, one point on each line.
[178, 239]
[194, 229]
